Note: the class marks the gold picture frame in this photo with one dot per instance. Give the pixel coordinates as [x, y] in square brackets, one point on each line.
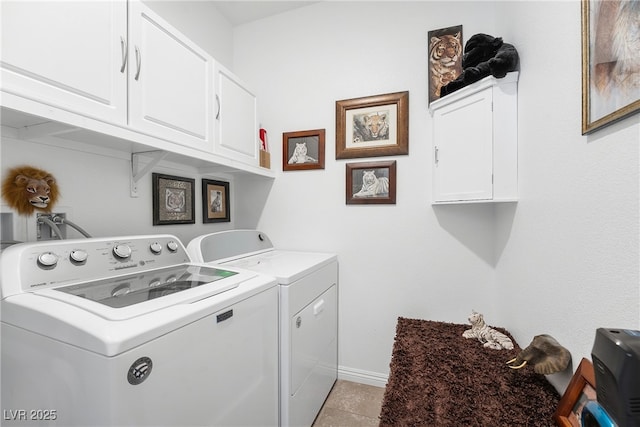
[610, 86]
[372, 126]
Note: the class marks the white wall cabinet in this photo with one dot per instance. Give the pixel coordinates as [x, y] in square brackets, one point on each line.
[69, 55]
[236, 118]
[114, 73]
[170, 82]
[475, 143]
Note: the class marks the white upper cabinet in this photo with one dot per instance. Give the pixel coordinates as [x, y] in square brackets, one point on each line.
[114, 74]
[236, 118]
[170, 82]
[475, 143]
[68, 55]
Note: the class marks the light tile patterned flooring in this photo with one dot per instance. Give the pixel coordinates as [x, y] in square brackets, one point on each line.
[351, 404]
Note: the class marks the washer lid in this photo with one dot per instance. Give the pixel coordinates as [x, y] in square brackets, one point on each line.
[136, 288]
[129, 296]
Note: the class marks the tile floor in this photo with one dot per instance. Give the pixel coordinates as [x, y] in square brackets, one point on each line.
[351, 404]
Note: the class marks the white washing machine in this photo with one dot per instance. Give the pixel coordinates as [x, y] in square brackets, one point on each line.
[308, 283]
[127, 331]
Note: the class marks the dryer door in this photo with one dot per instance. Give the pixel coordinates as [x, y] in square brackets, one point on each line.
[314, 355]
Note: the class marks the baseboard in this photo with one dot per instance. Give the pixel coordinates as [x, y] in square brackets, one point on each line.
[363, 377]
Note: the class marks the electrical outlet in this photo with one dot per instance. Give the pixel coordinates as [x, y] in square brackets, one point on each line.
[44, 230]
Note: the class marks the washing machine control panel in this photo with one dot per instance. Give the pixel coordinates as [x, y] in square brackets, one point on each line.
[57, 263]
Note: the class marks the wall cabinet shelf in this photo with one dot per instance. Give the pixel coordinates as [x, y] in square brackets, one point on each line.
[117, 76]
[475, 143]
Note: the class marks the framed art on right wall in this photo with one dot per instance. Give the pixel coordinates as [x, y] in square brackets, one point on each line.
[610, 62]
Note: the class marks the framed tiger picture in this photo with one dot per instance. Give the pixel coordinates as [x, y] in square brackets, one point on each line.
[173, 199]
[373, 126]
[445, 58]
[303, 150]
[371, 183]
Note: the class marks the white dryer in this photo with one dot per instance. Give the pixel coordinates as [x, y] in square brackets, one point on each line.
[308, 283]
[127, 331]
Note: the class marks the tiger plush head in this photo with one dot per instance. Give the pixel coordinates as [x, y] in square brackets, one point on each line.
[26, 189]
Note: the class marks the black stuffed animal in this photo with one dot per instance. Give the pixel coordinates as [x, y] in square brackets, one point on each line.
[484, 56]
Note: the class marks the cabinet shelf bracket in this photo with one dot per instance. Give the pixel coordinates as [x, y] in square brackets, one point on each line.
[136, 173]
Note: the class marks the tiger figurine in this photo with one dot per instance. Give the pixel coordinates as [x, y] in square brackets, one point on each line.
[373, 186]
[444, 62]
[485, 334]
[300, 154]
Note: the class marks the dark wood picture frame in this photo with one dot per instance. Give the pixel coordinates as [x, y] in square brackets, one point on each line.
[372, 126]
[173, 200]
[606, 96]
[581, 388]
[215, 201]
[361, 193]
[314, 157]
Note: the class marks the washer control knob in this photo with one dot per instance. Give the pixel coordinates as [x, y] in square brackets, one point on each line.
[47, 259]
[172, 246]
[122, 251]
[78, 255]
[156, 248]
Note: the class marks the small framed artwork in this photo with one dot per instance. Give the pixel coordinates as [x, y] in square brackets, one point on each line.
[581, 389]
[173, 200]
[372, 126]
[445, 58]
[371, 183]
[303, 150]
[610, 62]
[215, 201]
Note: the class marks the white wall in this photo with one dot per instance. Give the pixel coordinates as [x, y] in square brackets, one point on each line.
[96, 195]
[570, 263]
[563, 260]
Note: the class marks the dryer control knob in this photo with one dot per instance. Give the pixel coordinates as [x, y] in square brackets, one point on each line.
[47, 259]
[172, 246]
[122, 251]
[78, 255]
[156, 248]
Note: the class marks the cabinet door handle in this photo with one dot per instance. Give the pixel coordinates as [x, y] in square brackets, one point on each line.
[218, 102]
[435, 153]
[138, 63]
[123, 47]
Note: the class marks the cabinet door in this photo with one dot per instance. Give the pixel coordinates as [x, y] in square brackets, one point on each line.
[236, 119]
[170, 86]
[463, 149]
[68, 55]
